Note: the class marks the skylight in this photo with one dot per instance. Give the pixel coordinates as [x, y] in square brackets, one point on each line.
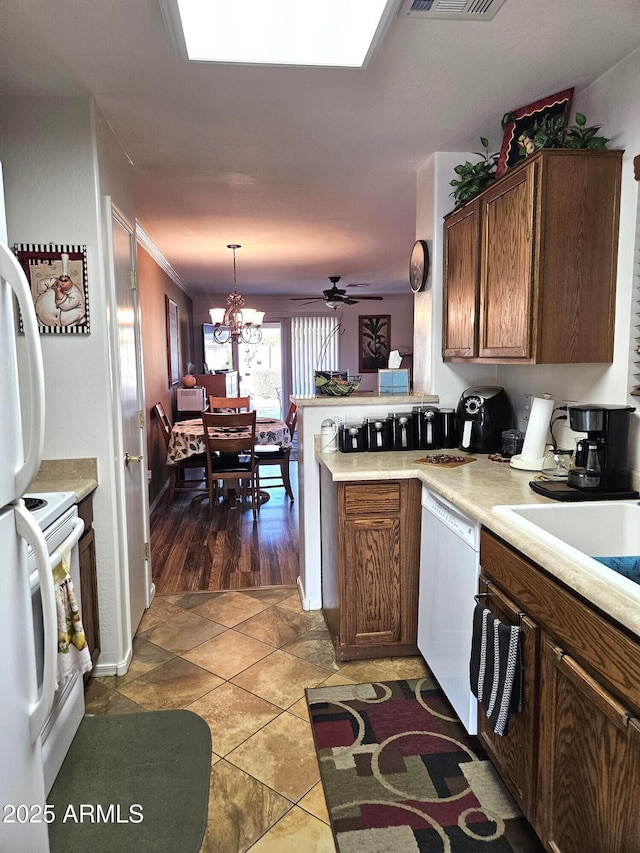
[339, 33]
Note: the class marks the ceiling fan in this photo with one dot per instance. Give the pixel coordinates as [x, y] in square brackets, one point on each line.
[334, 296]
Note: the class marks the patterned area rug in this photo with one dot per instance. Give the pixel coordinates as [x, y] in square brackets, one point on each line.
[401, 774]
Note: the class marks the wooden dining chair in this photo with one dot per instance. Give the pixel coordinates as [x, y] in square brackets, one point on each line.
[230, 440]
[236, 404]
[177, 480]
[280, 455]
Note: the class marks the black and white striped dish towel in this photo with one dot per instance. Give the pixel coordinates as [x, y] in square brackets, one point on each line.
[495, 668]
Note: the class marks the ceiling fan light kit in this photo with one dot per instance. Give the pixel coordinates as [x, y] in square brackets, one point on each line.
[236, 323]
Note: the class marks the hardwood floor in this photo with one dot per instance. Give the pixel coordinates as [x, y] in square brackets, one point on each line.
[191, 552]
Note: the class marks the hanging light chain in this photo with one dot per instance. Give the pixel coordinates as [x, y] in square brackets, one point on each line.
[234, 326]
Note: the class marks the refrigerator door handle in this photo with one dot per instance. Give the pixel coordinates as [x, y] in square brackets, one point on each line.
[13, 274]
[29, 530]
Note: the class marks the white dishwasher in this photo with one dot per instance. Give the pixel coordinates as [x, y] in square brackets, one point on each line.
[449, 571]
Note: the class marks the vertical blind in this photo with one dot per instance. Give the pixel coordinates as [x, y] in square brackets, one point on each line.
[314, 346]
[635, 355]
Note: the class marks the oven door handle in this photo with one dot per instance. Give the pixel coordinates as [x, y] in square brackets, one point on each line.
[70, 542]
[29, 530]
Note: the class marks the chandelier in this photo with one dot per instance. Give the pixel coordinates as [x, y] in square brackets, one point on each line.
[236, 323]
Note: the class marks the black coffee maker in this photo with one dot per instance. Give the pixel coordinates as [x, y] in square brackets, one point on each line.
[482, 414]
[599, 470]
[600, 460]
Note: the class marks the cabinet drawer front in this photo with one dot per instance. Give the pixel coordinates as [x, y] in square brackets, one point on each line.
[367, 498]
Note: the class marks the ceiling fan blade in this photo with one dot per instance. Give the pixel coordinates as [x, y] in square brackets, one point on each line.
[369, 297]
[308, 298]
[350, 301]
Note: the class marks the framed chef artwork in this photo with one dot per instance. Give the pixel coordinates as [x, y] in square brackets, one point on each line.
[57, 277]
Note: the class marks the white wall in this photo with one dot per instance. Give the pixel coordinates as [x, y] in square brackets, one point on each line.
[446, 380]
[50, 160]
[614, 102]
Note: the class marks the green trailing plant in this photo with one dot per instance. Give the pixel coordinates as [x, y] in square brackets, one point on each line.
[581, 136]
[549, 132]
[474, 177]
[552, 132]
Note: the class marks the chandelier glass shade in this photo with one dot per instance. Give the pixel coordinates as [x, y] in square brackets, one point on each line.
[235, 322]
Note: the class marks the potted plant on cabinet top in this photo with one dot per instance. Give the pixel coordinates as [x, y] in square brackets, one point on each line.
[474, 177]
[549, 132]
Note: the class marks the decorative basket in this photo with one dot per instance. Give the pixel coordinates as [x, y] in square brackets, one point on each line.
[335, 383]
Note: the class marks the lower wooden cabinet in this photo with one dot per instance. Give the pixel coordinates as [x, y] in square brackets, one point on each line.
[89, 580]
[572, 757]
[370, 576]
[589, 767]
[515, 752]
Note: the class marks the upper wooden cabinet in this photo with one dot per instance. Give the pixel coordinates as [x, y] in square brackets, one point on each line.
[530, 263]
[462, 258]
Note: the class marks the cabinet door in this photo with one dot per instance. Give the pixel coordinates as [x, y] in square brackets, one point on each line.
[89, 592]
[589, 768]
[460, 298]
[507, 267]
[373, 584]
[379, 542]
[514, 754]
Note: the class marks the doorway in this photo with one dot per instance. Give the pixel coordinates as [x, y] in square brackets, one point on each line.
[133, 470]
[260, 371]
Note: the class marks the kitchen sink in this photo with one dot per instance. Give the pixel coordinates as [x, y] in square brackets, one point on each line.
[586, 530]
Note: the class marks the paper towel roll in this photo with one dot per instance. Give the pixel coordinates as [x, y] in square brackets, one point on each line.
[535, 437]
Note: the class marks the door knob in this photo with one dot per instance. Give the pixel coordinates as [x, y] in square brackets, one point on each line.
[129, 458]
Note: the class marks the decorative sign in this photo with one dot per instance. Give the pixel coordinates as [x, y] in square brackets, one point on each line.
[57, 276]
[374, 337]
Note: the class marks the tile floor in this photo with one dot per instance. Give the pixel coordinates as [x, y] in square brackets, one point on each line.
[242, 660]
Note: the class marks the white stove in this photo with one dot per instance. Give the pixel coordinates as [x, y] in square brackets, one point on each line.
[56, 514]
[49, 506]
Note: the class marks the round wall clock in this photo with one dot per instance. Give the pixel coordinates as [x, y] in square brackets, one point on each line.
[419, 266]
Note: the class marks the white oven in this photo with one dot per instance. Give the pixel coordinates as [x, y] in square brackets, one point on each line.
[62, 528]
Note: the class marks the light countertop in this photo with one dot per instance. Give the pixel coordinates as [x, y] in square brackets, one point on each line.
[476, 487]
[67, 475]
[366, 399]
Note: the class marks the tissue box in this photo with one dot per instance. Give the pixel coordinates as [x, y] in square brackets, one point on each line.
[393, 380]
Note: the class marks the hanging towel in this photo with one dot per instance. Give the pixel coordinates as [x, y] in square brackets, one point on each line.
[73, 653]
[495, 668]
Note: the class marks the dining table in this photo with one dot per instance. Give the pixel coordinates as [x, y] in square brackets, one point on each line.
[187, 437]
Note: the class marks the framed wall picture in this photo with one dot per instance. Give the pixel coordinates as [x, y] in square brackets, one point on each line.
[519, 124]
[173, 361]
[57, 276]
[374, 337]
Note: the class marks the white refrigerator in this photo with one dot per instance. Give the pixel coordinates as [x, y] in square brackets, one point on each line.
[24, 705]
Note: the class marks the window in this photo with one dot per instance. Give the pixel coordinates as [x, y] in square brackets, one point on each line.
[314, 346]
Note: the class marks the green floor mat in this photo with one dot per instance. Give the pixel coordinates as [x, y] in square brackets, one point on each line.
[133, 782]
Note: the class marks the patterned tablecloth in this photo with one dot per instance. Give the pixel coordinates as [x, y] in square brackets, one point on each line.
[187, 437]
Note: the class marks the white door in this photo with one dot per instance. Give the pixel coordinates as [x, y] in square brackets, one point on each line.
[132, 412]
[260, 369]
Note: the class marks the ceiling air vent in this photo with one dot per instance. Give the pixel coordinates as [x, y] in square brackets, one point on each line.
[452, 10]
